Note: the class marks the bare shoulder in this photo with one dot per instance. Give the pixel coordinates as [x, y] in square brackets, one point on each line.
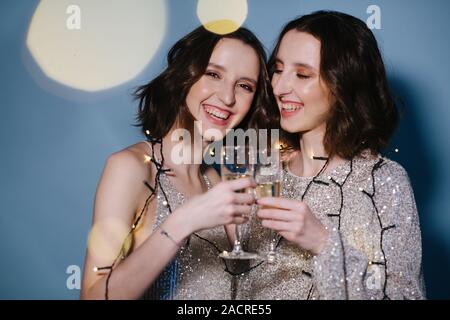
[212, 175]
[121, 184]
[131, 161]
[119, 194]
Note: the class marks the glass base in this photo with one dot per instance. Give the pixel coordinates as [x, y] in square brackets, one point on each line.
[238, 255]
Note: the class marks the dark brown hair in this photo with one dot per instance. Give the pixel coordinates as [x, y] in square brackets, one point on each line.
[162, 100]
[364, 115]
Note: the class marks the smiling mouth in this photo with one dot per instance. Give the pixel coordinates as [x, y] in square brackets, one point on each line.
[288, 107]
[217, 113]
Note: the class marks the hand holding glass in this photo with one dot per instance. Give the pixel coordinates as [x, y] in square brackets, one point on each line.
[238, 162]
[268, 180]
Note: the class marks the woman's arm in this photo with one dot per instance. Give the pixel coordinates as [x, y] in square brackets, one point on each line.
[343, 272]
[116, 202]
[116, 199]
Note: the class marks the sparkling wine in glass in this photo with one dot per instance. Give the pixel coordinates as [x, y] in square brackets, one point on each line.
[238, 162]
[268, 180]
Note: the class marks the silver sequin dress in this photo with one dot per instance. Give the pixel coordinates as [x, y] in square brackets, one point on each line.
[196, 272]
[374, 247]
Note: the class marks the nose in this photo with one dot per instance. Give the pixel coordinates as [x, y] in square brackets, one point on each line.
[226, 94]
[281, 84]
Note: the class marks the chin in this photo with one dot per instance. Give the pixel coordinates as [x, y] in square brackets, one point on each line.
[291, 126]
[213, 137]
[212, 133]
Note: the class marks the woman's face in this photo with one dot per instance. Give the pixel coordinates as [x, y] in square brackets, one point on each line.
[302, 96]
[221, 98]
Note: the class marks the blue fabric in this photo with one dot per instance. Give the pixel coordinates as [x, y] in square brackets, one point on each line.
[164, 288]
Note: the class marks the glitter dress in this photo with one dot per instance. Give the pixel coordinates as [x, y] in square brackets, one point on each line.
[196, 272]
[374, 245]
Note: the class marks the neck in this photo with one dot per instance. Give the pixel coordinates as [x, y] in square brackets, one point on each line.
[311, 146]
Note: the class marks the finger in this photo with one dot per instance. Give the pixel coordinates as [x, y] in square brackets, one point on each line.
[276, 214]
[239, 220]
[241, 210]
[281, 203]
[278, 226]
[240, 184]
[247, 198]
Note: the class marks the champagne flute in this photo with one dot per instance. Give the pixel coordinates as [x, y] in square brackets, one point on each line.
[268, 181]
[238, 162]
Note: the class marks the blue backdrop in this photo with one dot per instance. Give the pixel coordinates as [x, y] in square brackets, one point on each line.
[54, 140]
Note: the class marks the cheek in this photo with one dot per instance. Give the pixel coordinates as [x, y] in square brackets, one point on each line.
[316, 96]
[245, 103]
[309, 91]
[196, 95]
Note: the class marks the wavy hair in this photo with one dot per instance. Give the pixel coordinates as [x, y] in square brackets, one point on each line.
[162, 100]
[364, 114]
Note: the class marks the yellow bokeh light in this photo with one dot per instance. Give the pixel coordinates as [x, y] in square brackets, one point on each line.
[222, 17]
[106, 239]
[221, 26]
[147, 158]
[95, 45]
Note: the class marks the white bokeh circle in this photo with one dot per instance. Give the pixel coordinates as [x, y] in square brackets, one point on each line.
[115, 41]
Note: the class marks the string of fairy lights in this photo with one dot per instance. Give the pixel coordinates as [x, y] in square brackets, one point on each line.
[371, 195]
[313, 180]
[127, 243]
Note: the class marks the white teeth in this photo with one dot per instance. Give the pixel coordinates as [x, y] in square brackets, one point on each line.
[217, 114]
[290, 107]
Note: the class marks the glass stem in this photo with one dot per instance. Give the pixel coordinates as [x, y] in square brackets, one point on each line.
[237, 243]
[272, 247]
[273, 240]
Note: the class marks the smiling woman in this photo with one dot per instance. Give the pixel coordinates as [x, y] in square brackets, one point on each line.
[176, 217]
[347, 220]
[95, 45]
[222, 97]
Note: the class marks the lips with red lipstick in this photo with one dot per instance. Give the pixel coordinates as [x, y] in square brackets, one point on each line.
[216, 115]
[290, 108]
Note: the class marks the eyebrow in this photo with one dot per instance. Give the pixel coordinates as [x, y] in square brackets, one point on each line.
[217, 66]
[297, 64]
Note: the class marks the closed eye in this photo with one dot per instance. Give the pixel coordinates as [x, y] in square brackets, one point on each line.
[212, 74]
[302, 76]
[246, 87]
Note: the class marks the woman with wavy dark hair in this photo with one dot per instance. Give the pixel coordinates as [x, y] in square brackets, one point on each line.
[162, 228]
[347, 220]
